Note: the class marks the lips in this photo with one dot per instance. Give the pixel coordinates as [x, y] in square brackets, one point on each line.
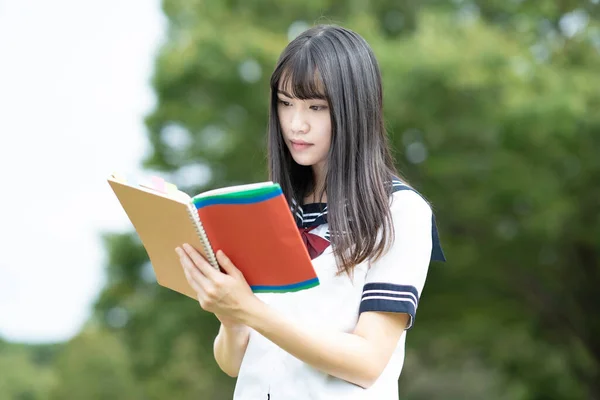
[300, 144]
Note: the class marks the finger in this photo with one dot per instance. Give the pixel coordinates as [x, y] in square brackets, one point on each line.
[191, 269]
[193, 284]
[186, 259]
[200, 262]
[227, 265]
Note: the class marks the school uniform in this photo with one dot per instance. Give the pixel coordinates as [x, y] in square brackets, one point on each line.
[392, 284]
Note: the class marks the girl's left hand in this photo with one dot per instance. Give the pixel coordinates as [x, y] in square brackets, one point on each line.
[227, 295]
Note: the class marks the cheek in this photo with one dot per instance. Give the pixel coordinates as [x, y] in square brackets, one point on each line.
[282, 117]
[325, 130]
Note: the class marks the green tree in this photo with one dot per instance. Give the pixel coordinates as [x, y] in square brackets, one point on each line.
[94, 365]
[26, 371]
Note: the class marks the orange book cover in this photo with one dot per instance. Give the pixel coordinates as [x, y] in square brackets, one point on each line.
[262, 240]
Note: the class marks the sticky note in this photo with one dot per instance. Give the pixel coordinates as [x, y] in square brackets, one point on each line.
[158, 184]
[170, 188]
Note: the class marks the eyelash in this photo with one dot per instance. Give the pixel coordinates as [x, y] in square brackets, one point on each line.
[287, 104]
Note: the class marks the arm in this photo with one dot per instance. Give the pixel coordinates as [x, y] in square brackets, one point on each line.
[357, 357]
[230, 346]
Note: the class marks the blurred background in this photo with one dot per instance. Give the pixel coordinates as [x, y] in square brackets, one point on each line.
[493, 111]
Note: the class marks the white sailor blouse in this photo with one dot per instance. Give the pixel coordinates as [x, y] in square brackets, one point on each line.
[393, 283]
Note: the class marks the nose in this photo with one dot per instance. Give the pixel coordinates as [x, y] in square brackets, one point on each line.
[299, 123]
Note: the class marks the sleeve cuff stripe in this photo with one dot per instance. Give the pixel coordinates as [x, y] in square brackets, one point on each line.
[393, 287]
[391, 293]
[388, 298]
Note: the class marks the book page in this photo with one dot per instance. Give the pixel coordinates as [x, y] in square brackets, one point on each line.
[234, 189]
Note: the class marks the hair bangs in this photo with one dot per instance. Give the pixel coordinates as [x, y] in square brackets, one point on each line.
[300, 78]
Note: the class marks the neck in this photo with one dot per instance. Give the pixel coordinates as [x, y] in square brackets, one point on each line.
[319, 175]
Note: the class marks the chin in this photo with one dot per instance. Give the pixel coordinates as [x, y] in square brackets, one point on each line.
[304, 161]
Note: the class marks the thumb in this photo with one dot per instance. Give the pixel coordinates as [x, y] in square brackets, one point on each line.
[226, 264]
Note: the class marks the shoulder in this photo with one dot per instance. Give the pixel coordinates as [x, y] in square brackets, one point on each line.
[413, 217]
[406, 201]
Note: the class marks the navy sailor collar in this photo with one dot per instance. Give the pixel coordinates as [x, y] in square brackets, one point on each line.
[314, 214]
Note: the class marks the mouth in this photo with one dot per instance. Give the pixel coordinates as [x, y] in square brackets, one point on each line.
[300, 144]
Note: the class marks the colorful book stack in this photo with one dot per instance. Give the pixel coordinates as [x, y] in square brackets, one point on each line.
[252, 224]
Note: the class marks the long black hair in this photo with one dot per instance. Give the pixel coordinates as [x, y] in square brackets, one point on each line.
[334, 63]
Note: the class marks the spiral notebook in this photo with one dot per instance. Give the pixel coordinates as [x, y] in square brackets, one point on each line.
[252, 224]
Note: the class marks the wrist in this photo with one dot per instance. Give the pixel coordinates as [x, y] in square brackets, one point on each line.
[233, 327]
[234, 335]
[255, 310]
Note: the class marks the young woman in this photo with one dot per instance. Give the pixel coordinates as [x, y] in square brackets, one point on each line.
[371, 238]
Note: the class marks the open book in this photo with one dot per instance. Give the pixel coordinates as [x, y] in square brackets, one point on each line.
[252, 224]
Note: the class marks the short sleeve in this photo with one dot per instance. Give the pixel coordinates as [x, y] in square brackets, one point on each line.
[395, 281]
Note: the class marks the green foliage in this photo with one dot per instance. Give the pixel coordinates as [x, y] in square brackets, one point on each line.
[26, 371]
[189, 373]
[94, 365]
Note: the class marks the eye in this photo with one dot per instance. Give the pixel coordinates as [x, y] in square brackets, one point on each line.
[283, 103]
[318, 107]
